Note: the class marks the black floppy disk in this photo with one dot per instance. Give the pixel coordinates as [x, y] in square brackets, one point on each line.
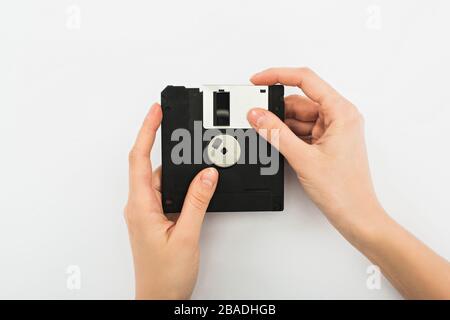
[207, 126]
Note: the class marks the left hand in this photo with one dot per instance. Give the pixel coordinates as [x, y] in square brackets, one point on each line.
[166, 253]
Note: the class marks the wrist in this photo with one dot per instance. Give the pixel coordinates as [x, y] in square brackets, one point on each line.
[363, 225]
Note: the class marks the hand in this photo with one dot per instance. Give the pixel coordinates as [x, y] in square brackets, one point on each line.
[323, 140]
[166, 253]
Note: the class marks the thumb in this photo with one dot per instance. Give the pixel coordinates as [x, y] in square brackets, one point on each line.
[197, 199]
[278, 134]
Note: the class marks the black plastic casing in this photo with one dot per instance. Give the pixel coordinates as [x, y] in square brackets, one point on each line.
[241, 187]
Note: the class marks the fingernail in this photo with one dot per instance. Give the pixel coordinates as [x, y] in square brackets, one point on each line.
[209, 177]
[256, 117]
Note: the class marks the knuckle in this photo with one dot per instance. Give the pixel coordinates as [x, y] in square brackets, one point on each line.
[127, 215]
[361, 118]
[273, 122]
[198, 200]
[131, 214]
[267, 122]
[305, 70]
[132, 156]
[333, 101]
[354, 116]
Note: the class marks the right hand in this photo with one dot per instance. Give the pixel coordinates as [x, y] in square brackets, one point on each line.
[166, 253]
[322, 138]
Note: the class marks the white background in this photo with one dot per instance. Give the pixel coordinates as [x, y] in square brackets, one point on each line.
[72, 100]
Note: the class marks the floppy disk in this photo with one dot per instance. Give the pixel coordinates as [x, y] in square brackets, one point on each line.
[208, 126]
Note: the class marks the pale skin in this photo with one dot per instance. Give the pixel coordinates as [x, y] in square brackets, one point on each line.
[322, 138]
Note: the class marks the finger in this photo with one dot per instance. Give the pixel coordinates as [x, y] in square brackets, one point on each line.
[139, 158]
[306, 79]
[156, 179]
[274, 130]
[195, 204]
[300, 108]
[300, 128]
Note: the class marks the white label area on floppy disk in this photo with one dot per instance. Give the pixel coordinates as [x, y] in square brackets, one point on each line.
[242, 99]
